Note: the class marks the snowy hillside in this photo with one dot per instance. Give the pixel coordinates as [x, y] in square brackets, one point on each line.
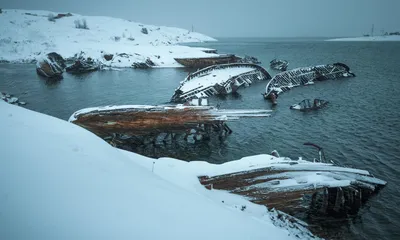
[26, 34]
[59, 181]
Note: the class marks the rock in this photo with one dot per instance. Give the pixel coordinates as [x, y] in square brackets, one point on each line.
[13, 100]
[150, 63]
[108, 57]
[10, 99]
[51, 66]
[144, 31]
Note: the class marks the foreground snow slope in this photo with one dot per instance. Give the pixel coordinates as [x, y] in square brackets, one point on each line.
[367, 39]
[27, 34]
[59, 181]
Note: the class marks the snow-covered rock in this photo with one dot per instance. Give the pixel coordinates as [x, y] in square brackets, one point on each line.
[59, 181]
[27, 35]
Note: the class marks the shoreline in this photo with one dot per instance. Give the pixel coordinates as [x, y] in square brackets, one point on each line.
[28, 35]
[389, 38]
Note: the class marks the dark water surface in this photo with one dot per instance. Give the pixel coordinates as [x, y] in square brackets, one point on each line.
[360, 127]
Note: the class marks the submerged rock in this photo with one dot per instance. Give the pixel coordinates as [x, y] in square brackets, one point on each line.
[10, 99]
[51, 66]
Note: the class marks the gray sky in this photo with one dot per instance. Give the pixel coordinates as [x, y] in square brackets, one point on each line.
[240, 18]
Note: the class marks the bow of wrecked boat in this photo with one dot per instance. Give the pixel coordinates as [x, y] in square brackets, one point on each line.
[309, 191]
[287, 80]
[218, 79]
[136, 126]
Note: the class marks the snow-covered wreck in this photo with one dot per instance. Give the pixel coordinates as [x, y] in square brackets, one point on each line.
[146, 124]
[280, 65]
[285, 81]
[218, 79]
[307, 190]
[202, 62]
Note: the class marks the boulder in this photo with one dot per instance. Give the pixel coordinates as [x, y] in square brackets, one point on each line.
[51, 66]
[144, 31]
[108, 57]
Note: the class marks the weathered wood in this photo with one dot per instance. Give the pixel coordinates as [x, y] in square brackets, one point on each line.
[203, 62]
[261, 186]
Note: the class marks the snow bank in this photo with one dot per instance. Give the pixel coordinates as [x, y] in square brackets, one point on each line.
[368, 39]
[25, 35]
[59, 181]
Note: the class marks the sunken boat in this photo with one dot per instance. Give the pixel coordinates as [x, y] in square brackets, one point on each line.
[280, 65]
[218, 79]
[83, 66]
[313, 191]
[147, 125]
[309, 105]
[202, 62]
[287, 80]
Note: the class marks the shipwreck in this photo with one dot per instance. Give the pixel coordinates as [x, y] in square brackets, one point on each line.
[309, 105]
[150, 125]
[280, 65]
[202, 62]
[219, 79]
[287, 80]
[307, 190]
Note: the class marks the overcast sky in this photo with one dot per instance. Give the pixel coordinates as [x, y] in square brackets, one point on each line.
[240, 18]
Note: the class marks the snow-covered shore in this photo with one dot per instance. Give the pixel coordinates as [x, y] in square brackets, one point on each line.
[26, 35]
[59, 181]
[367, 39]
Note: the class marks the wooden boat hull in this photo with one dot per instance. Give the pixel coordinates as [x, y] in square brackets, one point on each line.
[207, 61]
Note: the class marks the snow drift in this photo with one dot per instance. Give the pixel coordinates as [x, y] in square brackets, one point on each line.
[59, 181]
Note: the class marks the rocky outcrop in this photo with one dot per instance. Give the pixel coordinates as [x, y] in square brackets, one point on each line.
[144, 30]
[51, 66]
[9, 98]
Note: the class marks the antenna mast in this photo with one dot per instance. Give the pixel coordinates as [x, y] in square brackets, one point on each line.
[372, 30]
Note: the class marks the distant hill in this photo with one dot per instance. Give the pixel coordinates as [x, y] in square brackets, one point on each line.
[25, 35]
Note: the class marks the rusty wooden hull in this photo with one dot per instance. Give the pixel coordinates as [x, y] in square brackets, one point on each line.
[145, 120]
[207, 61]
[259, 186]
